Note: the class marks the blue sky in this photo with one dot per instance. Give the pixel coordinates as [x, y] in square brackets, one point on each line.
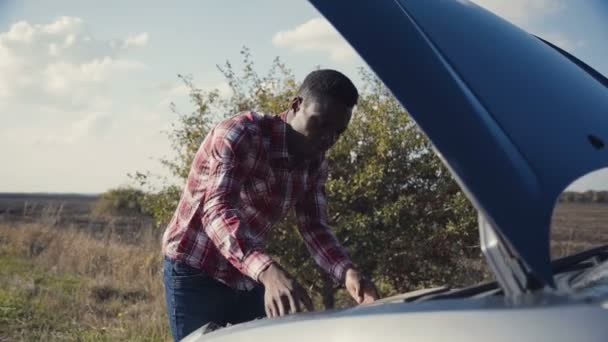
[86, 85]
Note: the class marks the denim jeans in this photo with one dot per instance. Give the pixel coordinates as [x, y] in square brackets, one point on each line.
[194, 299]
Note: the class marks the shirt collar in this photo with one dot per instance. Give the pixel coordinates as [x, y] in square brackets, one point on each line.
[277, 146]
[277, 130]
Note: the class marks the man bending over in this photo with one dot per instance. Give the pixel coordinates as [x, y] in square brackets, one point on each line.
[250, 170]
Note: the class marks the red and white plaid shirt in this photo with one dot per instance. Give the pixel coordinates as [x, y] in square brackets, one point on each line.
[240, 184]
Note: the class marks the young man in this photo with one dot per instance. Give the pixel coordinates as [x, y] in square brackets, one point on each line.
[249, 171]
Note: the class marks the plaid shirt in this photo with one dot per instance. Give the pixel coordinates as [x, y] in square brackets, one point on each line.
[240, 184]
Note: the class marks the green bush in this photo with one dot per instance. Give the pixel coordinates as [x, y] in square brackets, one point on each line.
[124, 201]
[392, 202]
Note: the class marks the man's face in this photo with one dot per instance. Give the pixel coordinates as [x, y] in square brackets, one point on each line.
[316, 124]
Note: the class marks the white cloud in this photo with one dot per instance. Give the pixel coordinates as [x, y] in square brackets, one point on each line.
[315, 35]
[64, 26]
[521, 12]
[178, 93]
[63, 77]
[563, 41]
[59, 62]
[223, 88]
[531, 14]
[93, 125]
[136, 40]
[68, 107]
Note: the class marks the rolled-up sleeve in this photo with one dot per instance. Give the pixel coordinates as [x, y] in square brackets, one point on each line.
[311, 212]
[228, 167]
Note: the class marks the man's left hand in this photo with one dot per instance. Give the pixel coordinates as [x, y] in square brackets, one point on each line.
[361, 289]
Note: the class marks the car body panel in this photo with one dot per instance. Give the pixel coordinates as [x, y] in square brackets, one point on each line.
[491, 98]
[488, 319]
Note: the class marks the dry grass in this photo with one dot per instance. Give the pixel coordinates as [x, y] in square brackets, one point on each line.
[68, 285]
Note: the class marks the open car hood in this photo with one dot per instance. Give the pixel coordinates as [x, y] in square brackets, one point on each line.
[515, 120]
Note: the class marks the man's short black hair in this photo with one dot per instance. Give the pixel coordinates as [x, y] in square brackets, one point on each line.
[327, 82]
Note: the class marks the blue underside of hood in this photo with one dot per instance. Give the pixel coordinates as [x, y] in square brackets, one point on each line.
[512, 117]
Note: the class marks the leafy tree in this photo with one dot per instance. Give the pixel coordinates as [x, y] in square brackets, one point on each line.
[584, 197]
[392, 202]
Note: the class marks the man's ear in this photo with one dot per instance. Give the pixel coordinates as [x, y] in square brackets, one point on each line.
[295, 104]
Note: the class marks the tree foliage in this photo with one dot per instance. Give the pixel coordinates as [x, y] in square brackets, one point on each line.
[584, 197]
[391, 201]
[122, 201]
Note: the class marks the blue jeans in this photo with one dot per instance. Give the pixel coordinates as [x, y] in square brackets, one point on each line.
[194, 299]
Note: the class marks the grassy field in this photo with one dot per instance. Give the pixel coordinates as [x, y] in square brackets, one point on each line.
[67, 276]
[70, 286]
[577, 227]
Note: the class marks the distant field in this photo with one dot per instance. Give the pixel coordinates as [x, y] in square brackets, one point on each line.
[14, 204]
[579, 226]
[67, 211]
[575, 226]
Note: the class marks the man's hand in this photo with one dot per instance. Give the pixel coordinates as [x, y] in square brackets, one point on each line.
[282, 295]
[362, 290]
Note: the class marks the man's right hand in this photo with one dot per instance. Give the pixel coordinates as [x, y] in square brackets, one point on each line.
[282, 295]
